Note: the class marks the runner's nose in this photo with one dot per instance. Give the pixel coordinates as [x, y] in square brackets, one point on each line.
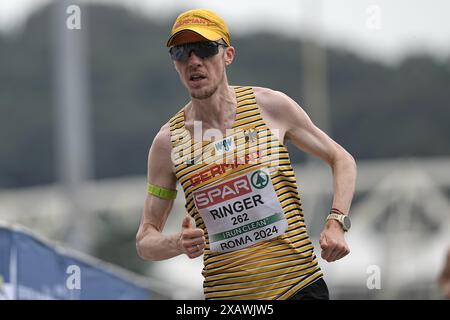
[194, 59]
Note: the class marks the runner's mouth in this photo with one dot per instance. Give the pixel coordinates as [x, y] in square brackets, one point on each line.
[197, 77]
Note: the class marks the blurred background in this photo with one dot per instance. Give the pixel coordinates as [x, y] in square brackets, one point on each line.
[82, 99]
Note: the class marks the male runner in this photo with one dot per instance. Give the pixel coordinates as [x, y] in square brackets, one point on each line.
[226, 147]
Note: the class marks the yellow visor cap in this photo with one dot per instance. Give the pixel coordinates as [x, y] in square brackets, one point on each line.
[203, 22]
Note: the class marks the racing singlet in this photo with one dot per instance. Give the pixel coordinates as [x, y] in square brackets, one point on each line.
[241, 190]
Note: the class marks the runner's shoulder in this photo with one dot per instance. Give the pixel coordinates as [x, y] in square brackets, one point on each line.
[273, 101]
[161, 142]
[163, 138]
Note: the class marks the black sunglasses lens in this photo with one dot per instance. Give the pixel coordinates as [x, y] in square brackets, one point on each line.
[201, 50]
[179, 53]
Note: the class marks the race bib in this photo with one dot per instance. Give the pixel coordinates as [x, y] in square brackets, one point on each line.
[241, 211]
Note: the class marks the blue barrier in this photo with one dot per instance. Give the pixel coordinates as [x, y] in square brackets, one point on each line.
[33, 269]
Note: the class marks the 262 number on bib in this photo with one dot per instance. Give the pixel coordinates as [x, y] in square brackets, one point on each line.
[239, 219]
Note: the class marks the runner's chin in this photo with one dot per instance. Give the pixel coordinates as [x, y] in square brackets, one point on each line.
[196, 84]
[202, 90]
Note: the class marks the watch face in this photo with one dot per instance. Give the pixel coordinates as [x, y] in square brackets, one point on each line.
[347, 223]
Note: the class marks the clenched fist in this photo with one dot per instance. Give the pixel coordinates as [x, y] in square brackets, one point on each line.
[332, 242]
[192, 240]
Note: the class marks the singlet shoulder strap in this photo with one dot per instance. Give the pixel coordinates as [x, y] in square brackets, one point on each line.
[177, 129]
[248, 111]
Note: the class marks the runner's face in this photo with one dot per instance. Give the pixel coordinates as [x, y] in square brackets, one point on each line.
[202, 77]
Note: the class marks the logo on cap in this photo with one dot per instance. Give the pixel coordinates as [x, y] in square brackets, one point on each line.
[199, 21]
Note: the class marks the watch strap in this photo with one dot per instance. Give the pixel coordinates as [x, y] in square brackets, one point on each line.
[335, 216]
[338, 217]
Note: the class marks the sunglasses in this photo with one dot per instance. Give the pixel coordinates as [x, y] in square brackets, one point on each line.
[202, 50]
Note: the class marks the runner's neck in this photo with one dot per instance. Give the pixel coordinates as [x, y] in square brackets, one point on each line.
[216, 112]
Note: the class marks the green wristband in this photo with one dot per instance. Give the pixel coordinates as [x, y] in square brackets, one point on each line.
[160, 192]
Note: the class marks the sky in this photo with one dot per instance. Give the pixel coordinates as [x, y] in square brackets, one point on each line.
[385, 30]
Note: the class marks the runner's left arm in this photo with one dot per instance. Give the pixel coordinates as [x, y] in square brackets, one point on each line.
[297, 127]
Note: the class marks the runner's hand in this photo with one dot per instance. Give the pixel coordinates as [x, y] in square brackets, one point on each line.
[332, 242]
[192, 240]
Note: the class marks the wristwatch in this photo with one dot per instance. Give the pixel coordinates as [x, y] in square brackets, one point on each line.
[343, 219]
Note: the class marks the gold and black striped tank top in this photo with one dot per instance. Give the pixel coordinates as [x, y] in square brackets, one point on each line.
[244, 268]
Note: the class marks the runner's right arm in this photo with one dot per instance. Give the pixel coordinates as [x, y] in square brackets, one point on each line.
[151, 243]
